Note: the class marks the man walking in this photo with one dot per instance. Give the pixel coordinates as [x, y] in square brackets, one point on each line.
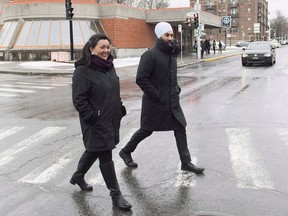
[161, 110]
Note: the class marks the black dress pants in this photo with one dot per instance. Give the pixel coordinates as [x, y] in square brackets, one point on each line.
[180, 136]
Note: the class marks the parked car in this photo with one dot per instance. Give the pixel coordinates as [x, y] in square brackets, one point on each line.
[283, 42]
[242, 44]
[275, 43]
[259, 52]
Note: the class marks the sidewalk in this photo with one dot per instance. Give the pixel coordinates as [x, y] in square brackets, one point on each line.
[60, 68]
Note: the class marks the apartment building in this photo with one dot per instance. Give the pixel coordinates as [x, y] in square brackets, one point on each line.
[249, 19]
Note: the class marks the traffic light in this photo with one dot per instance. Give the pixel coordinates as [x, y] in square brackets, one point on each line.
[196, 20]
[69, 9]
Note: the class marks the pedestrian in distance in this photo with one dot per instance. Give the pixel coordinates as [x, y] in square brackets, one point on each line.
[161, 110]
[96, 97]
[220, 46]
[214, 46]
[203, 48]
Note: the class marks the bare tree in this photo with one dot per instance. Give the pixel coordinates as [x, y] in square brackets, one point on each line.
[279, 26]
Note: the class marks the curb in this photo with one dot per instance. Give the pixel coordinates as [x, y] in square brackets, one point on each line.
[59, 73]
[221, 57]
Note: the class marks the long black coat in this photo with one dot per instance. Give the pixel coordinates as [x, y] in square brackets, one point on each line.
[96, 96]
[157, 77]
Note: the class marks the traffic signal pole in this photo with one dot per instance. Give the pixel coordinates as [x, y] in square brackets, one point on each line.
[197, 8]
[71, 40]
[69, 16]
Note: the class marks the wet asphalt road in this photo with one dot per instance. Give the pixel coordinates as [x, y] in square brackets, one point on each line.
[237, 129]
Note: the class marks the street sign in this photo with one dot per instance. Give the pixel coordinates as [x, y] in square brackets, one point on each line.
[197, 32]
[226, 21]
[179, 28]
[256, 27]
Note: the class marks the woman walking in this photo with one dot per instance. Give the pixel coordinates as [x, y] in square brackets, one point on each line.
[96, 97]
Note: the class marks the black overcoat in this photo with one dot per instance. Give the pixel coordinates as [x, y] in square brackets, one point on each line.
[96, 96]
[157, 77]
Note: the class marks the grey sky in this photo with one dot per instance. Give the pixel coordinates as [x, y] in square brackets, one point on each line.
[281, 5]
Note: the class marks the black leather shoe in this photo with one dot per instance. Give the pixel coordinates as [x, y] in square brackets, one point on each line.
[78, 178]
[192, 168]
[127, 159]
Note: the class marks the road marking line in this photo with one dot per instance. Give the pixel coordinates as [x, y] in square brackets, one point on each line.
[118, 162]
[7, 95]
[36, 177]
[8, 132]
[246, 161]
[8, 155]
[46, 84]
[16, 90]
[25, 86]
[283, 133]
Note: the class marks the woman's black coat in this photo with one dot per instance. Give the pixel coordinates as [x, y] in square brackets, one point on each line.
[157, 77]
[96, 96]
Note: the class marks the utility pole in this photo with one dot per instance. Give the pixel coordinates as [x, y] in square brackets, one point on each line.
[69, 16]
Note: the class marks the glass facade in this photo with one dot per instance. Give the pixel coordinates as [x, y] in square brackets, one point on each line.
[48, 34]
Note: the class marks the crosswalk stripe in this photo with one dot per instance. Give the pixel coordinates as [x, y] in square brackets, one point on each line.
[7, 95]
[6, 132]
[16, 90]
[8, 155]
[36, 177]
[26, 86]
[246, 162]
[46, 84]
[283, 133]
[119, 164]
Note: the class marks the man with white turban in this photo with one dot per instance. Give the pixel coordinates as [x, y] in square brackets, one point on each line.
[161, 110]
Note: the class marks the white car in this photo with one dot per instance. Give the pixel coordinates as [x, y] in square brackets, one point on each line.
[275, 43]
[283, 42]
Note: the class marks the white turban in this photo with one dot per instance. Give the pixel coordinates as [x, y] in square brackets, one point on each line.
[162, 28]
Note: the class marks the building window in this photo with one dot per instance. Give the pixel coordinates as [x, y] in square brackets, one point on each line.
[6, 33]
[43, 34]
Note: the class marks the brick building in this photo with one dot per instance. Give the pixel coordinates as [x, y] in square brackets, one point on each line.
[33, 29]
[244, 14]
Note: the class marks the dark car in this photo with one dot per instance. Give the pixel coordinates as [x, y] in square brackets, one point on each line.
[259, 52]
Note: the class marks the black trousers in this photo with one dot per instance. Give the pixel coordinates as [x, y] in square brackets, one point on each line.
[180, 136]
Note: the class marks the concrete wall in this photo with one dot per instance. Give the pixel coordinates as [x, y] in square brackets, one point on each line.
[49, 10]
[179, 15]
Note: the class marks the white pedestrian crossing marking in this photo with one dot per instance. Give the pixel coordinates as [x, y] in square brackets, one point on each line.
[38, 177]
[247, 164]
[283, 133]
[44, 83]
[6, 132]
[246, 161]
[16, 90]
[8, 155]
[7, 95]
[26, 86]
[119, 164]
